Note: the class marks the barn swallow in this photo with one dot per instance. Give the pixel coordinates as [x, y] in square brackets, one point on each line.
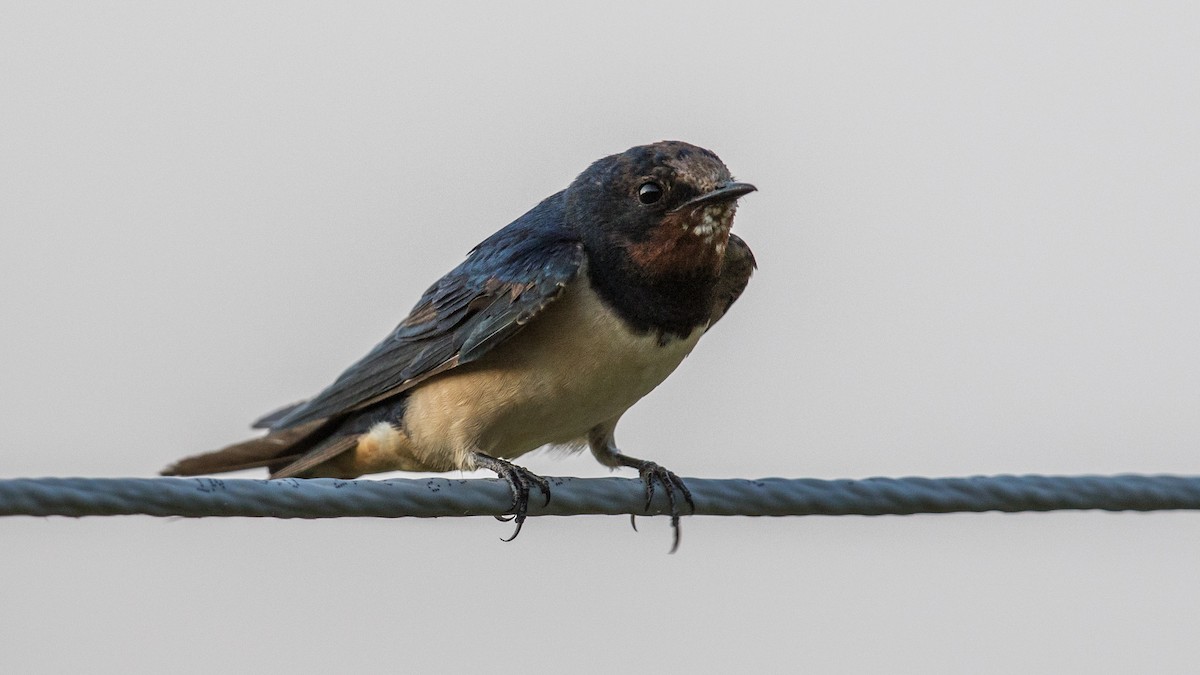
[544, 336]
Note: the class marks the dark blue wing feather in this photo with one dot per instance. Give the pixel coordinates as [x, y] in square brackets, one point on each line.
[735, 274]
[505, 281]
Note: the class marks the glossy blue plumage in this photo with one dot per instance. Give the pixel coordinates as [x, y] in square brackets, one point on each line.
[503, 282]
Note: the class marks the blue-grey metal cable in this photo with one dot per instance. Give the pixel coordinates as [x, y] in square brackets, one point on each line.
[440, 497]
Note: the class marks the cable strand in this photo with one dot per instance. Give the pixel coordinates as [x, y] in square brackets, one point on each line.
[444, 497]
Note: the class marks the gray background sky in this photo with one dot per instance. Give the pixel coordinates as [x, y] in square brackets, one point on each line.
[977, 229]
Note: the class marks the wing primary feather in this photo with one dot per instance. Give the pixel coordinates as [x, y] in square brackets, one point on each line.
[269, 420]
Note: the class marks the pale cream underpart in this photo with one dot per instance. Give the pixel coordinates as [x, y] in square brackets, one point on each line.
[576, 365]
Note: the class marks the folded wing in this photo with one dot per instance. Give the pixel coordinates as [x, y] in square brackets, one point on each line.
[504, 282]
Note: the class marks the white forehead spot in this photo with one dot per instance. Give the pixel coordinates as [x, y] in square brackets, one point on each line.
[705, 174]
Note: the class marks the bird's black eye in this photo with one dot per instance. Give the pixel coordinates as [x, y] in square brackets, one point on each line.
[650, 192]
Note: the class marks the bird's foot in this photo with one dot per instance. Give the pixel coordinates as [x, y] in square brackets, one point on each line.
[519, 480]
[672, 485]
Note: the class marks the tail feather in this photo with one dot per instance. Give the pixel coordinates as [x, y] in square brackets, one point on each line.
[274, 449]
[299, 465]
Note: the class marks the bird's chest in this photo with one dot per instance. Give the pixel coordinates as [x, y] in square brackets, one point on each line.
[574, 366]
[581, 351]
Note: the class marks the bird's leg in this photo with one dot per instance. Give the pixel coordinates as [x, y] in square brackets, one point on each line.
[519, 481]
[604, 446]
[672, 485]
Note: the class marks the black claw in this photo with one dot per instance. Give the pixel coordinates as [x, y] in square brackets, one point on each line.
[543, 485]
[520, 522]
[651, 473]
[519, 481]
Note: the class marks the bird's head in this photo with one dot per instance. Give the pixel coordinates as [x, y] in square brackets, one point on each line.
[665, 208]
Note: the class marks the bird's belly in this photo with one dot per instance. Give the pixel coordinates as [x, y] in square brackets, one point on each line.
[574, 366]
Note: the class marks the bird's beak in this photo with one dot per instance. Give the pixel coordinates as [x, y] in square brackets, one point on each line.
[723, 193]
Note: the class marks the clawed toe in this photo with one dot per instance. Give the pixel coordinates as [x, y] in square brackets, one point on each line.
[672, 484]
[519, 480]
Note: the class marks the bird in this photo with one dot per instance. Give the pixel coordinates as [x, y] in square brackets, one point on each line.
[545, 334]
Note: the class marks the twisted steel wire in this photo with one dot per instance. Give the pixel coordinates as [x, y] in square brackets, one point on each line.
[443, 497]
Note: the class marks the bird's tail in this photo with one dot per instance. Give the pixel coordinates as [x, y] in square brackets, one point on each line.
[276, 450]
